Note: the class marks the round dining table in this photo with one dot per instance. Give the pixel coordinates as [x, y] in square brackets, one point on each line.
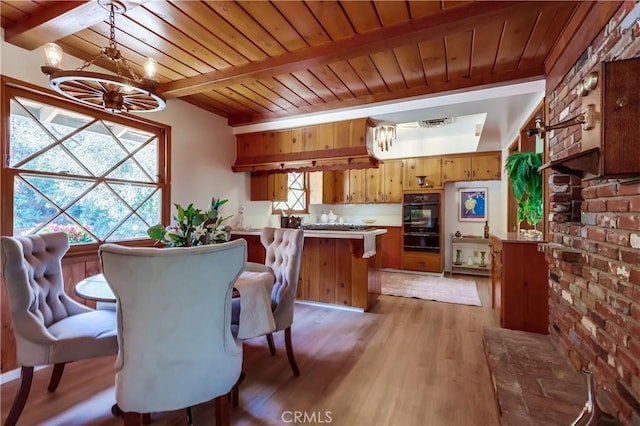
[254, 289]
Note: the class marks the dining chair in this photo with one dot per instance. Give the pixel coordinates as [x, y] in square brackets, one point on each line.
[176, 347]
[50, 328]
[283, 256]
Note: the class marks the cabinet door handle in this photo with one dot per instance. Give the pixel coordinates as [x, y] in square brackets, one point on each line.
[473, 173]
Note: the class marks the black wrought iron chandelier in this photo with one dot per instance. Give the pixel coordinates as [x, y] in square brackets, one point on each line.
[123, 92]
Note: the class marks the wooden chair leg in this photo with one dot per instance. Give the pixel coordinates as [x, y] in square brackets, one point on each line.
[56, 375]
[189, 417]
[235, 390]
[272, 346]
[131, 419]
[289, 346]
[223, 415]
[26, 377]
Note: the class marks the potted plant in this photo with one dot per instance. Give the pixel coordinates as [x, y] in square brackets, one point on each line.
[526, 180]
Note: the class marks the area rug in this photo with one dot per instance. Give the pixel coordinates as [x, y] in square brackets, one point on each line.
[440, 289]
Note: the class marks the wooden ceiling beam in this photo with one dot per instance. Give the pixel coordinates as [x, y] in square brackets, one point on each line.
[57, 20]
[477, 82]
[449, 21]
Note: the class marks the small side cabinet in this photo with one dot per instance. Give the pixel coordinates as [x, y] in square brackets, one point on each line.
[520, 284]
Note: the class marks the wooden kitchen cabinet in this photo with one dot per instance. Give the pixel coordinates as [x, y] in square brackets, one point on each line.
[431, 167]
[357, 183]
[424, 262]
[519, 284]
[335, 188]
[340, 135]
[384, 184]
[480, 166]
[255, 250]
[358, 186]
[392, 180]
[391, 247]
[373, 192]
[269, 187]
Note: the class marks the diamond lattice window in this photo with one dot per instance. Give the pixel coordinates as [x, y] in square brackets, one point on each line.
[94, 178]
[297, 195]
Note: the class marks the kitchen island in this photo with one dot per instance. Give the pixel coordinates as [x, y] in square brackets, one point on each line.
[338, 267]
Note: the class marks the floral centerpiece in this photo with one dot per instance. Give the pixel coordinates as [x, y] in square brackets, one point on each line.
[193, 227]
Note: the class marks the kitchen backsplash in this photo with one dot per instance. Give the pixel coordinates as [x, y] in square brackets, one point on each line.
[257, 214]
[381, 214]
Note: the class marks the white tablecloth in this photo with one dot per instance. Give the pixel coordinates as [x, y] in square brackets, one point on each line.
[256, 318]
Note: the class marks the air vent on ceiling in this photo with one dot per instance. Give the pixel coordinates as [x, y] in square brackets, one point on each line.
[438, 122]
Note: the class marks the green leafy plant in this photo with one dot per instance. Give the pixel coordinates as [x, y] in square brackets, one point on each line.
[193, 227]
[526, 180]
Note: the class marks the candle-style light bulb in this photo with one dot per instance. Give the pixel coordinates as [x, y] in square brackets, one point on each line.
[53, 55]
[150, 68]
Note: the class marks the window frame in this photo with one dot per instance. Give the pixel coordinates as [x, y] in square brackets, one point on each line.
[15, 88]
[289, 212]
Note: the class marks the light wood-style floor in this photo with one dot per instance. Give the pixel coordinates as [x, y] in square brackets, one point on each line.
[407, 362]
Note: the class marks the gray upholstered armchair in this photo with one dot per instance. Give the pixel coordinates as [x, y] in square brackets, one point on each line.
[49, 326]
[283, 256]
[174, 326]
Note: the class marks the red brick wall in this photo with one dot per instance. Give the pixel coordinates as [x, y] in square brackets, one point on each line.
[594, 258]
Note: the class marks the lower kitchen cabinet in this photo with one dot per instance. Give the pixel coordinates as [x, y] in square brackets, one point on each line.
[423, 262]
[519, 293]
[391, 247]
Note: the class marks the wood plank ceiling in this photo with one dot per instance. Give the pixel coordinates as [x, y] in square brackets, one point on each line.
[253, 61]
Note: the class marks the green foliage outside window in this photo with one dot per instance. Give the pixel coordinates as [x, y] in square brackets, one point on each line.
[94, 179]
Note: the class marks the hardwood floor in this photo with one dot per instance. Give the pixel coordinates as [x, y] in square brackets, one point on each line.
[407, 362]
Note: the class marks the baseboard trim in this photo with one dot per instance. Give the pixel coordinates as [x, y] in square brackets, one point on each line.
[330, 306]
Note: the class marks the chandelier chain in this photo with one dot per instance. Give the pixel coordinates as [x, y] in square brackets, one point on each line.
[112, 28]
[125, 91]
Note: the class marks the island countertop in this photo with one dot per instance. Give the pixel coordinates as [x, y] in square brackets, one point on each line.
[337, 267]
[321, 234]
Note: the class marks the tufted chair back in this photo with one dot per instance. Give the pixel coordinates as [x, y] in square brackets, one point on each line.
[174, 323]
[49, 326]
[283, 255]
[32, 271]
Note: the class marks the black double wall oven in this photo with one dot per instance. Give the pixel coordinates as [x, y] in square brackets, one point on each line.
[421, 222]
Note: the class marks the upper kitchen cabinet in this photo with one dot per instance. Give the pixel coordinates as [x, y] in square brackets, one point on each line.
[358, 186]
[330, 187]
[430, 167]
[479, 166]
[337, 146]
[384, 184]
[391, 178]
[269, 187]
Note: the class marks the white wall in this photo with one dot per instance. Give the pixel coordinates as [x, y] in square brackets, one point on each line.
[496, 206]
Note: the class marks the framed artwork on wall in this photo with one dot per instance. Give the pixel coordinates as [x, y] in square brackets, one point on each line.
[472, 204]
